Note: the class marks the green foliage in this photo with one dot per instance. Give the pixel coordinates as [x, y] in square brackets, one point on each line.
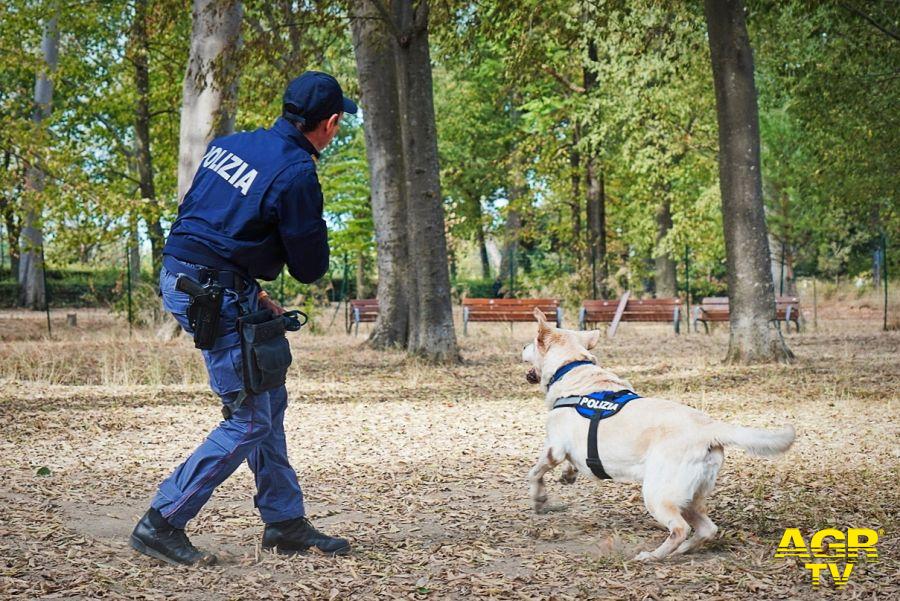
[475, 288]
[525, 93]
[69, 288]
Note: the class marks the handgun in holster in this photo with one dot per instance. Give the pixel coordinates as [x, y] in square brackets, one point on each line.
[204, 309]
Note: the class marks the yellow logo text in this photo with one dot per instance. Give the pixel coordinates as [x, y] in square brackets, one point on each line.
[830, 551]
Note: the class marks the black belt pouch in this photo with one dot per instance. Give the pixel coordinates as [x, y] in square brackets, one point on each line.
[265, 351]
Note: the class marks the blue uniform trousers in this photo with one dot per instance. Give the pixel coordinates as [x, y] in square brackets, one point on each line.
[255, 432]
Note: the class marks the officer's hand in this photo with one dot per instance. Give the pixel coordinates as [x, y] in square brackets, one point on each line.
[266, 302]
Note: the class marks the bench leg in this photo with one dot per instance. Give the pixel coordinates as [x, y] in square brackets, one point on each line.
[676, 321]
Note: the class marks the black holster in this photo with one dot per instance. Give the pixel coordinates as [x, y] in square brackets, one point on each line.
[204, 309]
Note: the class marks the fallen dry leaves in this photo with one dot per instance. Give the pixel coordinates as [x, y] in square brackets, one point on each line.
[423, 468]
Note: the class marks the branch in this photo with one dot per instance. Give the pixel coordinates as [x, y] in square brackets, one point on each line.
[123, 148]
[569, 85]
[872, 22]
[162, 112]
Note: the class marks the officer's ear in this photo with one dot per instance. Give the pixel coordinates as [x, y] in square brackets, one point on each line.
[333, 122]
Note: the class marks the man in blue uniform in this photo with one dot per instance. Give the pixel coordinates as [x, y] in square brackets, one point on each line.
[255, 205]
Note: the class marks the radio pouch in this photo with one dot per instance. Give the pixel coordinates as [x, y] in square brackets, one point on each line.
[265, 351]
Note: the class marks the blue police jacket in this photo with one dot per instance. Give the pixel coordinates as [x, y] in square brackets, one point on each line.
[254, 205]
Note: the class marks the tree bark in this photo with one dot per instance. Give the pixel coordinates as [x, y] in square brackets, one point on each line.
[31, 280]
[432, 334]
[394, 65]
[375, 49]
[143, 155]
[209, 100]
[664, 263]
[750, 285]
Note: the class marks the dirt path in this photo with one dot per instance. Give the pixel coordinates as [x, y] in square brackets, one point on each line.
[423, 468]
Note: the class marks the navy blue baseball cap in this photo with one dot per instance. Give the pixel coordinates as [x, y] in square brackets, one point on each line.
[315, 96]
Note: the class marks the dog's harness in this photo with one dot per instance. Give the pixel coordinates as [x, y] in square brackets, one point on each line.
[595, 407]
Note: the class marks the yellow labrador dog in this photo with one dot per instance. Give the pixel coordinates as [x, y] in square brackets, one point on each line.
[674, 451]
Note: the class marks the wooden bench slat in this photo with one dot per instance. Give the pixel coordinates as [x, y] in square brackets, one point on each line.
[507, 309]
[717, 308]
[467, 302]
[644, 309]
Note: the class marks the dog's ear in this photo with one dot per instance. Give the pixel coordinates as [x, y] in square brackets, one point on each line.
[589, 339]
[543, 336]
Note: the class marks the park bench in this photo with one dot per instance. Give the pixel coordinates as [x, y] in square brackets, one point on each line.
[647, 309]
[716, 308]
[508, 310]
[363, 310]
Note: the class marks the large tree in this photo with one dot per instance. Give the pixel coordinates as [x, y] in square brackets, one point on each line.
[393, 61]
[210, 83]
[140, 52]
[31, 281]
[750, 288]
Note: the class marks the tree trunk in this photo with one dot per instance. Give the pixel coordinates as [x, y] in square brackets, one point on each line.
[664, 263]
[13, 227]
[362, 290]
[509, 260]
[482, 245]
[596, 227]
[575, 204]
[394, 66]
[595, 198]
[375, 50]
[141, 50]
[134, 253]
[31, 279]
[431, 329]
[13, 231]
[750, 286]
[209, 97]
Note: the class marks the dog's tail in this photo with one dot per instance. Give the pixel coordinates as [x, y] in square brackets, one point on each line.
[756, 441]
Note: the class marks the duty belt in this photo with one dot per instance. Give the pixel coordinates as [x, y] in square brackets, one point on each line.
[227, 279]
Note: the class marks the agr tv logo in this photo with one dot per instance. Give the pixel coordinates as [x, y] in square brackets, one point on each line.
[835, 553]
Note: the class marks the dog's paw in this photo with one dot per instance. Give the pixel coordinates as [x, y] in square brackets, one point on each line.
[644, 556]
[539, 503]
[568, 476]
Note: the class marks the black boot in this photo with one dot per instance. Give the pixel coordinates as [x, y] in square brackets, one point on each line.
[298, 536]
[154, 536]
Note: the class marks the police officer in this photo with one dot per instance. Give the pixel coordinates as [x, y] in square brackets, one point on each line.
[255, 205]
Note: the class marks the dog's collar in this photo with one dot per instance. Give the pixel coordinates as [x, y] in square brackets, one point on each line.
[566, 369]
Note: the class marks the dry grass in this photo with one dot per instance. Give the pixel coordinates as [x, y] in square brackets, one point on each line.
[423, 468]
